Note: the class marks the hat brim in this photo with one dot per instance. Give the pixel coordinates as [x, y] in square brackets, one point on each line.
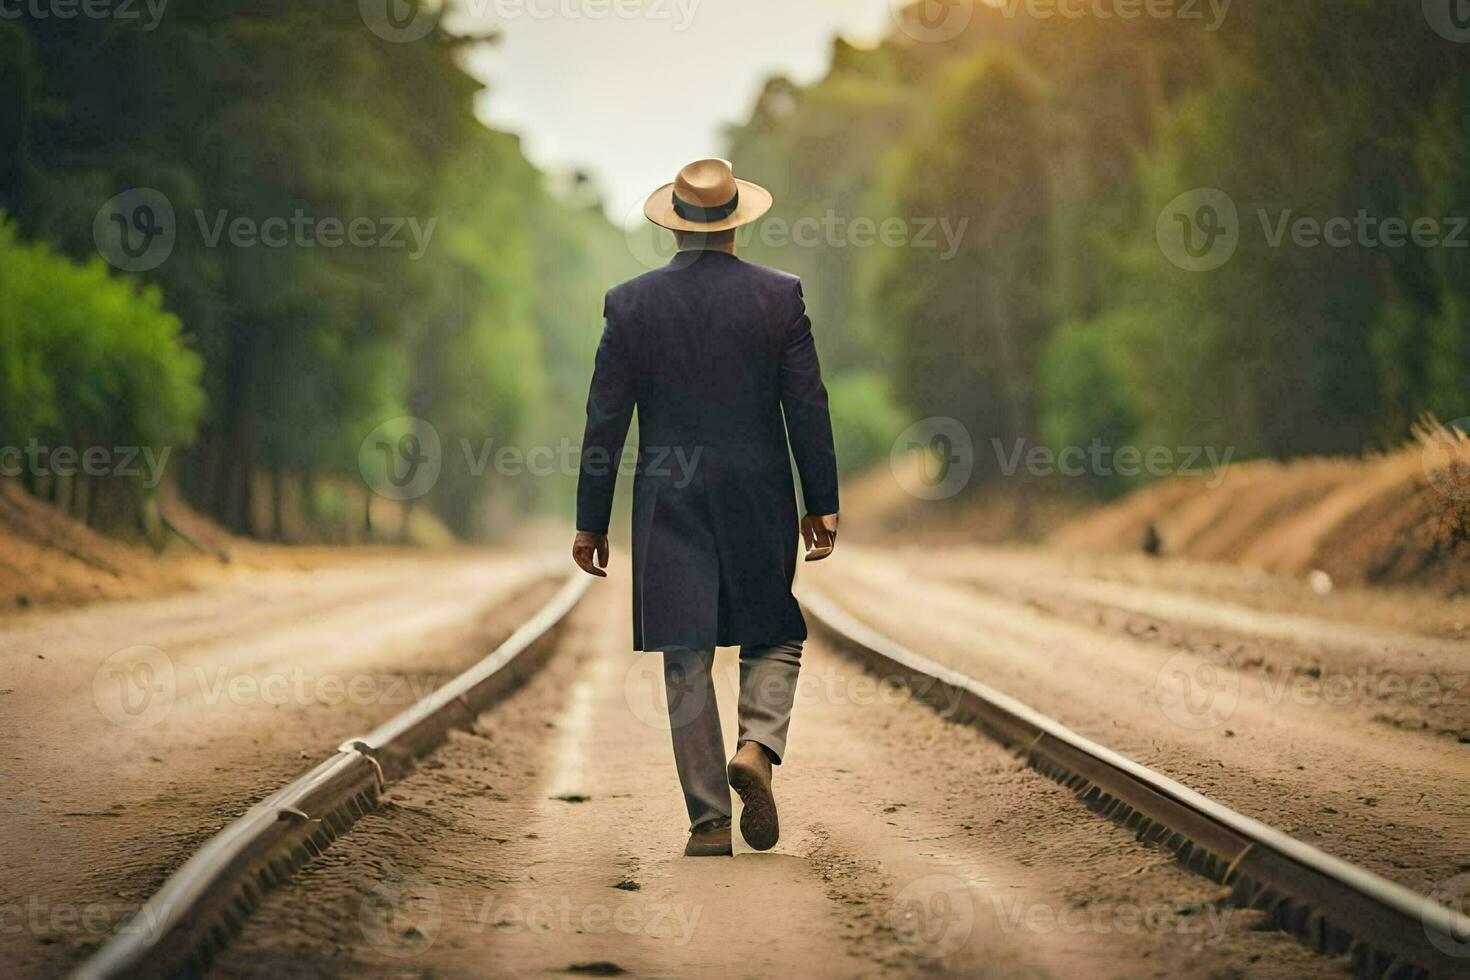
[755, 201]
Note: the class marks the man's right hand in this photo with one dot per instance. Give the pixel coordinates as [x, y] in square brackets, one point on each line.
[585, 548]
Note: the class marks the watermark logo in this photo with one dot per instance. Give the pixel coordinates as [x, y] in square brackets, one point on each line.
[1198, 689]
[932, 21]
[136, 230]
[400, 917]
[400, 21]
[1449, 18]
[401, 459]
[1199, 230]
[650, 245]
[1445, 458]
[934, 915]
[135, 687]
[661, 699]
[933, 459]
[1454, 895]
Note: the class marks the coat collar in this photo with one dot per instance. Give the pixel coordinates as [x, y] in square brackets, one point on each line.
[686, 258]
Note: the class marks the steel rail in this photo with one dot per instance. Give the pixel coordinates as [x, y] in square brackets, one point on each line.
[1332, 905]
[194, 914]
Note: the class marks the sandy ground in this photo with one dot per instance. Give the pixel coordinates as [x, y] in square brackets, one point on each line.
[1347, 729]
[547, 841]
[131, 731]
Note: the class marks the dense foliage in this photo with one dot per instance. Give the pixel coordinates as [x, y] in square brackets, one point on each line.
[89, 361]
[1062, 140]
[980, 221]
[297, 121]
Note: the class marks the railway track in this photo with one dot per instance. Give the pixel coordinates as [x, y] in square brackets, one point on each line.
[1333, 906]
[178, 931]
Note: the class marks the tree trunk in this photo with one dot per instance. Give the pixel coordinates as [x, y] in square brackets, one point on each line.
[89, 509]
[241, 441]
[407, 517]
[309, 512]
[278, 503]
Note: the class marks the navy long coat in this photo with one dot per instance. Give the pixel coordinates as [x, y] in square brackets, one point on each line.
[712, 351]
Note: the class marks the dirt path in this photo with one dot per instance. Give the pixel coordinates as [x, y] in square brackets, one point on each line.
[548, 840]
[132, 731]
[1348, 735]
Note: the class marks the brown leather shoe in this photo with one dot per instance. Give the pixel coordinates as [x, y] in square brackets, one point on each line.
[714, 842]
[750, 776]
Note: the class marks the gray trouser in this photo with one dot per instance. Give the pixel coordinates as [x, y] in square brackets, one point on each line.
[767, 691]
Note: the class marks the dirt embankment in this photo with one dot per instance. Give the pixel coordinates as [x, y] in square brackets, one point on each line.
[1396, 519]
[1401, 519]
[49, 558]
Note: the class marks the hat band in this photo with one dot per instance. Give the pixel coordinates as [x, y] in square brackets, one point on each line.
[693, 212]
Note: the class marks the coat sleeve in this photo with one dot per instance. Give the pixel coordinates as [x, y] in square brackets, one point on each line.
[610, 404]
[808, 422]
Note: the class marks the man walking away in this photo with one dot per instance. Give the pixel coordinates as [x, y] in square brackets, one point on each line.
[717, 356]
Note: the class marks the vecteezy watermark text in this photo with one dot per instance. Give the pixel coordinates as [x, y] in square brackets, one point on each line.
[137, 687]
[1209, 922]
[138, 229]
[404, 21]
[1200, 230]
[563, 916]
[92, 461]
[1210, 12]
[670, 700]
[1200, 689]
[38, 917]
[833, 230]
[934, 459]
[653, 247]
[402, 915]
[305, 231]
[150, 12]
[1097, 459]
[678, 12]
[403, 458]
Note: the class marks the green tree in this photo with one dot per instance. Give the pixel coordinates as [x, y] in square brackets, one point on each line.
[965, 329]
[89, 362]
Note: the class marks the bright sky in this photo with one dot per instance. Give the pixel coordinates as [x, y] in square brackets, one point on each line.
[633, 94]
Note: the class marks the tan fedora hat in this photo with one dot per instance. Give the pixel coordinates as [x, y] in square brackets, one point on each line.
[707, 196]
